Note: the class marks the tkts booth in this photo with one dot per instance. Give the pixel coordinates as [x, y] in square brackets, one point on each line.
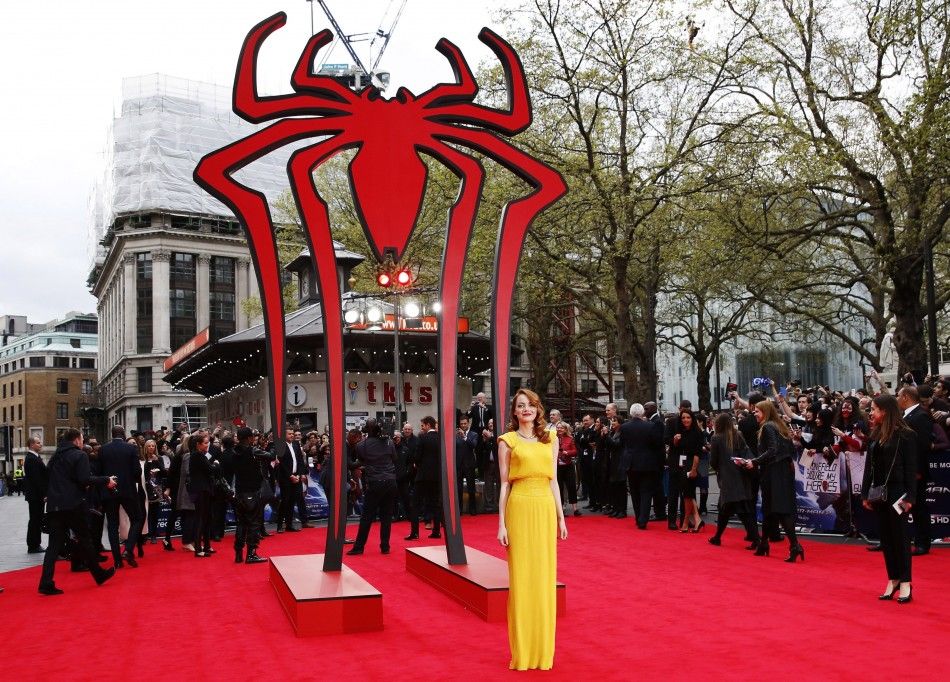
[230, 372]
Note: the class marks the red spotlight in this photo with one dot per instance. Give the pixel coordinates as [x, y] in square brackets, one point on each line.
[383, 279]
[403, 278]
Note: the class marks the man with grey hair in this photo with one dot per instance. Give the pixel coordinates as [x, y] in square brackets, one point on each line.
[480, 413]
[35, 481]
[642, 451]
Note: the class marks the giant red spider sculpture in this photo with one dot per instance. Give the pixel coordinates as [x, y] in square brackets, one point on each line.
[388, 179]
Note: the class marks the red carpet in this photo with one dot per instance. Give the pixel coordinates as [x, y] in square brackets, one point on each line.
[641, 605]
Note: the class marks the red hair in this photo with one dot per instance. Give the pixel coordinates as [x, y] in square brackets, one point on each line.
[541, 431]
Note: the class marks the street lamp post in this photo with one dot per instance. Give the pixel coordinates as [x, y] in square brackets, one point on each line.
[398, 422]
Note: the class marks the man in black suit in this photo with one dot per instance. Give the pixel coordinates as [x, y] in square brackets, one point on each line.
[652, 414]
[66, 506]
[642, 442]
[120, 459]
[290, 472]
[428, 488]
[35, 481]
[585, 439]
[922, 423]
[480, 413]
[466, 441]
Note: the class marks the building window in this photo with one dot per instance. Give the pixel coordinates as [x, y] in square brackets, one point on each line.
[87, 363]
[4, 390]
[222, 272]
[75, 343]
[62, 410]
[35, 432]
[19, 412]
[60, 362]
[222, 307]
[589, 386]
[22, 363]
[38, 361]
[19, 387]
[144, 379]
[182, 267]
[143, 419]
[620, 388]
[62, 386]
[514, 383]
[143, 302]
[143, 266]
[86, 387]
[182, 302]
[4, 415]
[222, 314]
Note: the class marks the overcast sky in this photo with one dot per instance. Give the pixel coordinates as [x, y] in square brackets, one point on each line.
[63, 65]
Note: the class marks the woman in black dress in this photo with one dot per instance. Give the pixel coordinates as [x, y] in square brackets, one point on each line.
[735, 484]
[775, 461]
[892, 463]
[685, 453]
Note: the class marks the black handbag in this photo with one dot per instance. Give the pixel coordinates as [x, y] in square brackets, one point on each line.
[877, 494]
[223, 487]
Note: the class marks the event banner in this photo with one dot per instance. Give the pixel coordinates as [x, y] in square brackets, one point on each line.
[938, 495]
[316, 500]
[818, 487]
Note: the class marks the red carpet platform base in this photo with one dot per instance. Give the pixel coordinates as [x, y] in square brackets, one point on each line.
[322, 603]
[481, 585]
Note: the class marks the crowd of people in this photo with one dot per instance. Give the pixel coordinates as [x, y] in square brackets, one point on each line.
[661, 462]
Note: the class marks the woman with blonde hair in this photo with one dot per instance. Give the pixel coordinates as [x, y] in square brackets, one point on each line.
[775, 461]
[530, 518]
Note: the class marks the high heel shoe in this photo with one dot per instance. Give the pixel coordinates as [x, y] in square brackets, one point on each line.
[696, 529]
[889, 593]
[909, 597]
[753, 545]
[167, 546]
[762, 549]
[714, 540]
[795, 552]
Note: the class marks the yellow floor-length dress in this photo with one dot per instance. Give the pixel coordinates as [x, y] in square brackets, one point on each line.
[531, 519]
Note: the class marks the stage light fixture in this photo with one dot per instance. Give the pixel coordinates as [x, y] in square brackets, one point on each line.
[437, 307]
[403, 278]
[373, 315]
[351, 316]
[384, 279]
[411, 309]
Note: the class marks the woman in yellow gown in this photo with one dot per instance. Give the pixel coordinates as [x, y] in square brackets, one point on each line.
[530, 518]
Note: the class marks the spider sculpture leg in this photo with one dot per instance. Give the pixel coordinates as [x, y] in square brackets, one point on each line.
[515, 221]
[457, 239]
[214, 173]
[313, 211]
[315, 90]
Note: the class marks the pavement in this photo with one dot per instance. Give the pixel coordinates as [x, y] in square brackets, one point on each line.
[14, 513]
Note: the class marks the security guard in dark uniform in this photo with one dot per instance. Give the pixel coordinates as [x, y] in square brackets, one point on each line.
[248, 476]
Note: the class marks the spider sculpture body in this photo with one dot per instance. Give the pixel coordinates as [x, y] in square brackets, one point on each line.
[388, 180]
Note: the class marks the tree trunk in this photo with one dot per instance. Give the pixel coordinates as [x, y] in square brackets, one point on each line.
[908, 315]
[703, 389]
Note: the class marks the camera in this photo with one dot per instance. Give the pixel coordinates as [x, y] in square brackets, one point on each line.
[761, 382]
[731, 387]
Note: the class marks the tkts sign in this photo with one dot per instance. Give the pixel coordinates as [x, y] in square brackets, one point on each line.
[414, 324]
[386, 392]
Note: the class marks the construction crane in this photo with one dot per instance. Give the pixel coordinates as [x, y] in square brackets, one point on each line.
[380, 80]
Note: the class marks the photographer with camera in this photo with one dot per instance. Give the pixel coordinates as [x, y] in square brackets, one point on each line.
[248, 463]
